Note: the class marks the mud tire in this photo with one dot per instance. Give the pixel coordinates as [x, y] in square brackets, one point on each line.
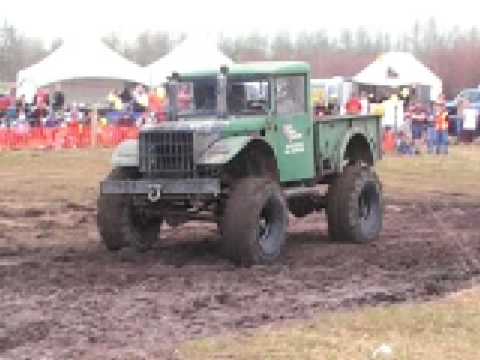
[355, 206]
[255, 221]
[117, 222]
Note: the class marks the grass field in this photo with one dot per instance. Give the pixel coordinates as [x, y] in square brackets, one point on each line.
[47, 176]
[457, 174]
[448, 329]
[445, 329]
[75, 174]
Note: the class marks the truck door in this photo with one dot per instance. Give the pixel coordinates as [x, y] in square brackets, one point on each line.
[291, 128]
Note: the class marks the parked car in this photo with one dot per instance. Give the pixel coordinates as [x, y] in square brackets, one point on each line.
[473, 97]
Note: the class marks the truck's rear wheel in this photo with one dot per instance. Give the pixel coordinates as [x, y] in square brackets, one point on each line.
[119, 225]
[355, 206]
[255, 221]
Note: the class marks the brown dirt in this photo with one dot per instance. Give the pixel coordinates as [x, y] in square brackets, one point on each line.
[63, 296]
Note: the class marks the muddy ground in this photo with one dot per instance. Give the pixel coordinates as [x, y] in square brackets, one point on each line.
[63, 296]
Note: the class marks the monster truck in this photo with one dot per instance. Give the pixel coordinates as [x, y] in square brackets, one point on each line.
[242, 148]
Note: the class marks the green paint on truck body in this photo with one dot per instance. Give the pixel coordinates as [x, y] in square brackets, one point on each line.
[332, 135]
[253, 69]
[305, 148]
[224, 150]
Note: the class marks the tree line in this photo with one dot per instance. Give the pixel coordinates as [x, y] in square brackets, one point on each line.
[453, 55]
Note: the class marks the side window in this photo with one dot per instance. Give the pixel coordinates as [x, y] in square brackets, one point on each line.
[248, 96]
[291, 95]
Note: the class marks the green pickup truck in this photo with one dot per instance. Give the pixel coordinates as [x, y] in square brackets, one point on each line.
[242, 148]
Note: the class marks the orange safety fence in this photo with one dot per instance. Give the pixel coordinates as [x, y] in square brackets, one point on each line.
[70, 137]
[389, 142]
[79, 136]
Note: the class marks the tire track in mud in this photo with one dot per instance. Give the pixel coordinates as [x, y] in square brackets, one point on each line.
[62, 295]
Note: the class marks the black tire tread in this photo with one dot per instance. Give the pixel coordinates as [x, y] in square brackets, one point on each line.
[240, 219]
[115, 223]
[343, 192]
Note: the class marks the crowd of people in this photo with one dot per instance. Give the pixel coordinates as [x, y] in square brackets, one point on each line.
[132, 106]
[46, 110]
[434, 128]
[48, 118]
[425, 126]
[137, 100]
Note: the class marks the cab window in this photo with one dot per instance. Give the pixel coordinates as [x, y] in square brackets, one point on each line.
[248, 96]
[290, 94]
[197, 97]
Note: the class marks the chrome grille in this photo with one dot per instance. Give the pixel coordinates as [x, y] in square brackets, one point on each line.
[167, 153]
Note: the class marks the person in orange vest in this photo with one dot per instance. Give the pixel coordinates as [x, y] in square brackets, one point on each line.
[441, 128]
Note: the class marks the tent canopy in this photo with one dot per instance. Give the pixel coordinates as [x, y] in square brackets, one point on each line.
[395, 69]
[193, 53]
[79, 60]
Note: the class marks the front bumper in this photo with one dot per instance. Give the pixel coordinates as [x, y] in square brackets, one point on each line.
[158, 187]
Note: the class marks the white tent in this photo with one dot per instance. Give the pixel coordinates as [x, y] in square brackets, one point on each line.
[395, 69]
[193, 53]
[86, 70]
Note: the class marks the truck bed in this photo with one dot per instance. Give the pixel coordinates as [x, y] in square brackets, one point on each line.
[332, 135]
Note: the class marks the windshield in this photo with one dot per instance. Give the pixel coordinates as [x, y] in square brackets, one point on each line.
[245, 96]
[473, 96]
[197, 97]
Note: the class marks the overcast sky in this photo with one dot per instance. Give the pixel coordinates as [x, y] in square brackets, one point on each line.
[48, 19]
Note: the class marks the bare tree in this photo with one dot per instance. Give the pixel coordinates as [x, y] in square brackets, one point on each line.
[17, 52]
[453, 55]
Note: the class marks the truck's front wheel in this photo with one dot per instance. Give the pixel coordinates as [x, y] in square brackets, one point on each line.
[118, 222]
[255, 221]
[355, 206]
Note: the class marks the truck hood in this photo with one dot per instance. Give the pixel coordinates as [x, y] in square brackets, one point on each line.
[213, 132]
[231, 125]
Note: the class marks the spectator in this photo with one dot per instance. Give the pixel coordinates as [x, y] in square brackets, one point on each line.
[4, 104]
[404, 145]
[51, 121]
[8, 107]
[419, 118]
[42, 101]
[431, 135]
[21, 104]
[441, 128]
[115, 101]
[127, 98]
[103, 122]
[58, 99]
[42, 98]
[21, 108]
[140, 99]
